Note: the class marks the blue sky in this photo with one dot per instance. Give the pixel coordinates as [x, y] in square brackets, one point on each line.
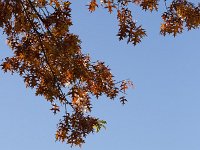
[162, 113]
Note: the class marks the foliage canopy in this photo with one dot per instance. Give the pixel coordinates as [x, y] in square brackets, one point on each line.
[49, 57]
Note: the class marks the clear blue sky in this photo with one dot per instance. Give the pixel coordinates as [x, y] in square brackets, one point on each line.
[163, 111]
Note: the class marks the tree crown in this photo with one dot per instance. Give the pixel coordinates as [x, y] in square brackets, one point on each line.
[49, 57]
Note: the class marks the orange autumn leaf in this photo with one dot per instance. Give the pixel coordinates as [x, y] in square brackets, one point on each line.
[92, 5]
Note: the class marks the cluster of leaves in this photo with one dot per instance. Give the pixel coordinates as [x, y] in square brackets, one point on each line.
[179, 12]
[50, 60]
[49, 57]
